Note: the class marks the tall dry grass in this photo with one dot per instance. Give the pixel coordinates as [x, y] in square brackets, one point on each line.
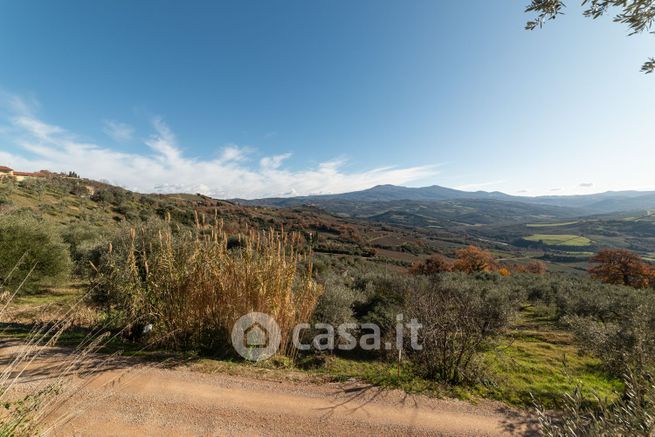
[28, 402]
[192, 285]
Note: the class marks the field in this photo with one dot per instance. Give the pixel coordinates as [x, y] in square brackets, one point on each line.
[540, 359]
[549, 225]
[559, 240]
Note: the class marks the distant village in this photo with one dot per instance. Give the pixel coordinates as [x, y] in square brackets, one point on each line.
[8, 172]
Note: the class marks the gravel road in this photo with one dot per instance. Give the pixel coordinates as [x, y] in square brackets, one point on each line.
[143, 400]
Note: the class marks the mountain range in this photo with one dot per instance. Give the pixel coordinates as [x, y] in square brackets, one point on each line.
[587, 204]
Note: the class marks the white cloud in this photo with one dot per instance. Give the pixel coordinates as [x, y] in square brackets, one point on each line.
[120, 132]
[166, 169]
[273, 162]
[235, 153]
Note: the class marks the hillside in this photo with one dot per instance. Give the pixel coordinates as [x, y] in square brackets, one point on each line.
[393, 232]
[447, 214]
[95, 209]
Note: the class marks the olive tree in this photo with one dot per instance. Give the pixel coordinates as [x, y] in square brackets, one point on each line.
[638, 15]
[31, 250]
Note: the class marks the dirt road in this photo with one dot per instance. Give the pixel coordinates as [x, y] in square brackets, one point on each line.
[144, 400]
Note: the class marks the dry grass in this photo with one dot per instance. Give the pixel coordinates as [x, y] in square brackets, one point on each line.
[25, 411]
[193, 285]
[33, 405]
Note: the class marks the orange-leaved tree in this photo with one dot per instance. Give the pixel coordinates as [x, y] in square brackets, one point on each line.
[535, 267]
[622, 267]
[473, 259]
[437, 263]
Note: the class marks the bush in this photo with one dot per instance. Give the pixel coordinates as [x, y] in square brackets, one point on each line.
[623, 340]
[434, 265]
[27, 244]
[336, 304]
[632, 415]
[614, 322]
[460, 317]
[84, 241]
[383, 297]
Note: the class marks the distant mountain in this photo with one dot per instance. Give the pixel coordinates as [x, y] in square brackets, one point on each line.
[449, 214]
[608, 202]
[383, 193]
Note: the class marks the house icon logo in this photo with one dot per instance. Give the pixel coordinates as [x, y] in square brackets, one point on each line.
[256, 336]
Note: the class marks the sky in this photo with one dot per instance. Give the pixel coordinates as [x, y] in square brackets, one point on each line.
[259, 98]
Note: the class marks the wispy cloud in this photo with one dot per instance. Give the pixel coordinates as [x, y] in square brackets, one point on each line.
[120, 132]
[167, 169]
[586, 185]
[233, 152]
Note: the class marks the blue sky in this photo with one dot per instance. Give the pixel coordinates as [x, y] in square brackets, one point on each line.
[261, 98]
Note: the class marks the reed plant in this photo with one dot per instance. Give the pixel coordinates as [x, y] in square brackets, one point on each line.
[189, 286]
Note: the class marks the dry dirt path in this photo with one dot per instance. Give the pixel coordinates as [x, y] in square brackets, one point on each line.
[141, 400]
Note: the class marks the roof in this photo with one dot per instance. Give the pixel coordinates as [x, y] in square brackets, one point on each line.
[24, 173]
[3, 168]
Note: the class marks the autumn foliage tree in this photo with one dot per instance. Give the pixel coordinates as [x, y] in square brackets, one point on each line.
[622, 267]
[534, 267]
[473, 259]
[437, 263]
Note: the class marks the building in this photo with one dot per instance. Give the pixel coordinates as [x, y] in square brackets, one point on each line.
[6, 171]
[20, 175]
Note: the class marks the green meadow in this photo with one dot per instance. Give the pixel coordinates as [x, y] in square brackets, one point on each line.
[560, 239]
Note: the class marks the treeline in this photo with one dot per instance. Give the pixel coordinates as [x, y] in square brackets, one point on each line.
[473, 259]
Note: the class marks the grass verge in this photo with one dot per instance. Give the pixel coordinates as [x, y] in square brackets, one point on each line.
[535, 357]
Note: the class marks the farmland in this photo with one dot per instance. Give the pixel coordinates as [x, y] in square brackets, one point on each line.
[560, 239]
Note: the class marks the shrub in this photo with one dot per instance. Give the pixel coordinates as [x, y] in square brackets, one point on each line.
[84, 241]
[631, 415]
[613, 322]
[583, 297]
[621, 344]
[460, 317]
[336, 304]
[533, 267]
[435, 264]
[383, 297]
[39, 248]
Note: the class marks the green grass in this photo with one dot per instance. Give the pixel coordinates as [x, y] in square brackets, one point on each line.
[560, 240]
[541, 360]
[535, 358]
[550, 225]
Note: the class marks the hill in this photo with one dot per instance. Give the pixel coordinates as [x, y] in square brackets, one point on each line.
[89, 211]
[395, 233]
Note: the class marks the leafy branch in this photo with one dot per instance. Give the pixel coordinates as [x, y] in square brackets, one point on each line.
[638, 15]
